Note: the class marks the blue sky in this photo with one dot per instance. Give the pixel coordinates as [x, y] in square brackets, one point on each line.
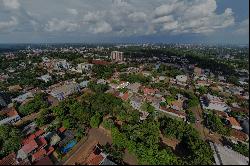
[170, 21]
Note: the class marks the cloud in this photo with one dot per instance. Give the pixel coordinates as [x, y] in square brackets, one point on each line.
[137, 16]
[101, 27]
[182, 16]
[243, 28]
[5, 25]
[61, 25]
[11, 4]
[72, 11]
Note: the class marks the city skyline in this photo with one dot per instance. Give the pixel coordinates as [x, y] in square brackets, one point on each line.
[124, 21]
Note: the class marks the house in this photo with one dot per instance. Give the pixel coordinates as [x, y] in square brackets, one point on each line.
[177, 105]
[179, 114]
[44, 161]
[60, 64]
[226, 156]
[133, 70]
[181, 78]
[101, 81]
[98, 157]
[2, 102]
[125, 96]
[149, 91]
[239, 135]
[197, 71]
[14, 88]
[53, 138]
[11, 159]
[83, 84]
[84, 67]
[11, 116]
[136, 101]
[234, 124]
[62, 92]
[122, 85]
[42, 153]
[99, 62]
[30, 128]
[245, 125]
[146, 73]
[46, 78]
[27, 149]
[134, 87]
[23, 97]
[213, 103]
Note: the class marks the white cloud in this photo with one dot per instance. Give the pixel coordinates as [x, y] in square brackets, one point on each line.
[243, 28]
[101, 27]
[72, 11]
[5, 25]
[163, 19]
[94, 16]
[137, 16]
[197, 16]
[61, 25]
[11, 4]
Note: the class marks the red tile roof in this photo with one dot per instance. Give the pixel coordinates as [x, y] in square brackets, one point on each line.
[39, 154]
[28, 139]
[149, 91]
[30, 146]
[100, 62]
[41, 142]
[233, 121]
[239, 135]
[9, 160]
[94, 159]
[62, 129]
[50, 150]
[39, 132]
[44, 161]
[125, 96]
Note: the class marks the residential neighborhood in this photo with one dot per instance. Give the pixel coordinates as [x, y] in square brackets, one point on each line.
[54, 110]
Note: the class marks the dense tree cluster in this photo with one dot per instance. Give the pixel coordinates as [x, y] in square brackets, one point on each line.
[197, 151]
[215, 124]
[39, 102]
[10, 140]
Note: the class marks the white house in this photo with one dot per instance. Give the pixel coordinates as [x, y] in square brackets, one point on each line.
[65, 90]
[214, 103]
[84, 67]
[46, 78]
[23, 97]
[181, 78]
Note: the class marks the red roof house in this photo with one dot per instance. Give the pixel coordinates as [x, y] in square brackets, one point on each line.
[30, 146]
[41, 142]
[39, 154]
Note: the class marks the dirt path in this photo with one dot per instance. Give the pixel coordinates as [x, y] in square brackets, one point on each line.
[83, 149]
[30, 117]
[204, 132]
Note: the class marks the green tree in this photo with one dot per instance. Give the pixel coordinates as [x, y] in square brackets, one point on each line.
[95, 120]
[10, 140]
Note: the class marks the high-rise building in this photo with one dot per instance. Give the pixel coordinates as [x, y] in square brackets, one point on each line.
[117, 56]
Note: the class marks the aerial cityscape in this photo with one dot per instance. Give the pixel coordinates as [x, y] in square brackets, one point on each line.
[124, 82]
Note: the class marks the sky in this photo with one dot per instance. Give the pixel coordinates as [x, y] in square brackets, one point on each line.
[124, 21]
